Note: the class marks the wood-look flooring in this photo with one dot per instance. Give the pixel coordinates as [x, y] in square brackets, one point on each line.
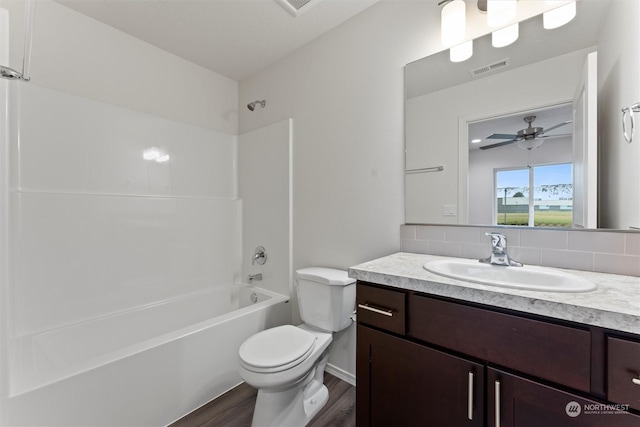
[235, 408]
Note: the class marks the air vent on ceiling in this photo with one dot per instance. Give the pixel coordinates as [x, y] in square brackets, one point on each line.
[296, 7]
[489, 68]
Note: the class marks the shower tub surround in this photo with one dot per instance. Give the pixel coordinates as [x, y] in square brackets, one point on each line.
[125, 235]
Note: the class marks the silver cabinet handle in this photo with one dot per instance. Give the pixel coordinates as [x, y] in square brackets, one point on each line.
[636, 381]
[384, 312]
[470, 397]
[497, 403]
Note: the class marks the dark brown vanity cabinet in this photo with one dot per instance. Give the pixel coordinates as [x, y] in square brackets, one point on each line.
[514, 401]
[413, 385]
[426, 361]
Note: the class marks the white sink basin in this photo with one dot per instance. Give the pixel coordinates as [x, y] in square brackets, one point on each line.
[530, 278]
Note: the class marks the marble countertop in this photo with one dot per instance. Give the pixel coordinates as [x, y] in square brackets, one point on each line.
[615, 304]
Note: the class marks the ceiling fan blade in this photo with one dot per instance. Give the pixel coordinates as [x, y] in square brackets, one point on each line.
[564, 135]
[499, 144]
[557, 126]
[502, 136]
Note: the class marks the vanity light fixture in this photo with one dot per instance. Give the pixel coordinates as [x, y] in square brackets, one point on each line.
[453, 22]
[559, 16]
[461, 52]
[501, 15]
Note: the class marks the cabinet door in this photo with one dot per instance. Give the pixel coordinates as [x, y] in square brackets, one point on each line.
[400, 383]
[623, 371]
[513, 401]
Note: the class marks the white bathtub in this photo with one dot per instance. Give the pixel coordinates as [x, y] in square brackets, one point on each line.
[144, 367]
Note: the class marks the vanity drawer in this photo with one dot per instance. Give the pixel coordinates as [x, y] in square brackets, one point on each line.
[557, 353]
[382, 308]
[623, 372]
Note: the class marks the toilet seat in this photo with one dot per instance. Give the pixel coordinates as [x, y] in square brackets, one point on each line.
[276, 349]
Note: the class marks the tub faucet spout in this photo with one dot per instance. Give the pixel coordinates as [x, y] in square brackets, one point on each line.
[253, 277]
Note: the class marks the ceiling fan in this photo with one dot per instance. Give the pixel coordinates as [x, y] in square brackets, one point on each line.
[527, 134]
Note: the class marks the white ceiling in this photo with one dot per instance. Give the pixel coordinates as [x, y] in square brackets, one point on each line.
[235, 38]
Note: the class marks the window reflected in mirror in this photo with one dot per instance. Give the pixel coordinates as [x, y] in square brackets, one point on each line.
[548, 205]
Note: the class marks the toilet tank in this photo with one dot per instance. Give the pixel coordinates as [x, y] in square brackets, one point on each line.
[326, 297]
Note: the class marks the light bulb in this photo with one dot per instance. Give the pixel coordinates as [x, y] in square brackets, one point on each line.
[558, 17]
[461, 52]
[453, 22]
[505, 36]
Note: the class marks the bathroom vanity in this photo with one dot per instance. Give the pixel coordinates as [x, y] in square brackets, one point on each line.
[433, 351]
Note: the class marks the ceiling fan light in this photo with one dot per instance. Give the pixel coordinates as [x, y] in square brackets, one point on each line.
[453, 23]
[500, 12]
[530, 144]
[461, 52]
[558, 17]
[505, 36]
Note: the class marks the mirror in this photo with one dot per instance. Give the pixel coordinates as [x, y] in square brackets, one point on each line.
[583, 65]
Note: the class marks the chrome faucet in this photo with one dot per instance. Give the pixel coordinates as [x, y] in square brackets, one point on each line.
[260, 256]
[253, 277]
[499, 255]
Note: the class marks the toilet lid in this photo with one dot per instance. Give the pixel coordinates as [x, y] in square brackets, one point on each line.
[282, 346]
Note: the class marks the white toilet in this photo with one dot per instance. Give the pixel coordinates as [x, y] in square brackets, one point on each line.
[286, 364]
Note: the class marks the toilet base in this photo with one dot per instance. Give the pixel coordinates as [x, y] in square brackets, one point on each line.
[293, 406]
[313, 405]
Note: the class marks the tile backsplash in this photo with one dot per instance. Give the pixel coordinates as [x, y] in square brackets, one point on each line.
[613, 252]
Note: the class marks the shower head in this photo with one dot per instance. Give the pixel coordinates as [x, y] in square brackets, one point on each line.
[252, 105]
[10, 73]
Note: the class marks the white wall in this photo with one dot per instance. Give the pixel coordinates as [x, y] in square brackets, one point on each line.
[434, 120]
[482, 164]
[618, 62]
[76, 54]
